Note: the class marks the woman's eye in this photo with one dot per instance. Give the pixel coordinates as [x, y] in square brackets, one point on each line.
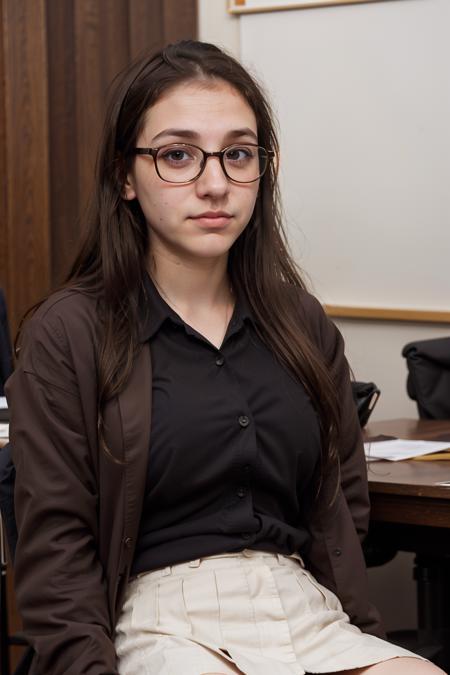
[176, 155]
[239, 154]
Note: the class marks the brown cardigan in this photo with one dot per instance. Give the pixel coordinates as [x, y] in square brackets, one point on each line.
[78, 511]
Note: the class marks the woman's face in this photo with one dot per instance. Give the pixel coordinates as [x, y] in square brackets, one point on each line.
[201, 219]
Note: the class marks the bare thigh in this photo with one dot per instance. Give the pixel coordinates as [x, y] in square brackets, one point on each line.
[398, 666]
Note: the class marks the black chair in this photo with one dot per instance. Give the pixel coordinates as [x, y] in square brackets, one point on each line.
[8, 540]
[8, 530]
[428, 380]
[428, 384]
[365, 395]
[6, 362]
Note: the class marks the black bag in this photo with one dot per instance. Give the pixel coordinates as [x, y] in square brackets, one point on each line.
[365, 395]
[428, 380]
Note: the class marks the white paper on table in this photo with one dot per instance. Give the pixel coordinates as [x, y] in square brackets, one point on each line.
[402, 449]
[4, 430]
[3, 403]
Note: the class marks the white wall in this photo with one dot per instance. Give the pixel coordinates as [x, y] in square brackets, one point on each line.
[362, 93]
[217, 26]
[373, 347]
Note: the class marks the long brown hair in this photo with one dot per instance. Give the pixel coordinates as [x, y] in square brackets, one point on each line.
[114, 250]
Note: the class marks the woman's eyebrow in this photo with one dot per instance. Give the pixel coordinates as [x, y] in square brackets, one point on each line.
[237, 133]
[190, 134]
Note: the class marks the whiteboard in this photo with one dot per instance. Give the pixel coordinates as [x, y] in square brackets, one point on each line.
[362, 94]
[248, 6]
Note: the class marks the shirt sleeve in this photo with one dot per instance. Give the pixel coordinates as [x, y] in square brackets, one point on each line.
[60, 586]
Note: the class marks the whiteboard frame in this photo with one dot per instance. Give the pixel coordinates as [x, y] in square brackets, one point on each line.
[239, 6]
[388, 314]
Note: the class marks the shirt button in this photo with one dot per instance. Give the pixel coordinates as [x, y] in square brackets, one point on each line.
[246, 535]
[337, 552]
[127, 542]
[220, 361]
[244, 421]
[241, 492]
[247, 468]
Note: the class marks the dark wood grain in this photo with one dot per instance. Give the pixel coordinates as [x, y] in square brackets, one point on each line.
[26, 154]
[89, 103]
[415, 429]
[113, 43]
[407, 492]
[146, 28]
[410, 477]
[57, 60]
[179, 19]
[4, 263]
[409, 510]
[63, 136]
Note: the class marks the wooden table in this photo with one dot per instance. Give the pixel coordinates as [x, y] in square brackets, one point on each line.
[406, 492]
[410, 512]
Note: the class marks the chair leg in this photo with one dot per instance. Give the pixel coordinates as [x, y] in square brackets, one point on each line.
[432, 575]
[4, 644]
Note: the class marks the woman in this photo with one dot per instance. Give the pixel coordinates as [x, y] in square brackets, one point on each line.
[190, 477]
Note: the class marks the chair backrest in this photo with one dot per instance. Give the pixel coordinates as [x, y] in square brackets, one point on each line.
[7, 480]
[428, 380]
[8, 535]
[6, 361]
[365, 395]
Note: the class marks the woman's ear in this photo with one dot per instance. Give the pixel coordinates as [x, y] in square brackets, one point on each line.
[128, 191]
[124, 179]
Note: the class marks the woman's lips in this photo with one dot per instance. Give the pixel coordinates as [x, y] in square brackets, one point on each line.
[212, 219]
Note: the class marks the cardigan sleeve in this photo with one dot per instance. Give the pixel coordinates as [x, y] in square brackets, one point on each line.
[341, 519]
[60, 586]
[352, 464]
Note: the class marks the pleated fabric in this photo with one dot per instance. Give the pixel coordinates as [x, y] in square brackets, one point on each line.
[250, 612]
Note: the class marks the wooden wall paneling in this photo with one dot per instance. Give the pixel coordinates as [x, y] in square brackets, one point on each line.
[26, 154]
[63, 136]
[113, 42]
[101, 51]
[179, 20]
[146, 27]
[89, 102]
[4, 264]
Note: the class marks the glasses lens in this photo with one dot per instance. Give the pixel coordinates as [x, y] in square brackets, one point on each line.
[245, 163]
[179, 162]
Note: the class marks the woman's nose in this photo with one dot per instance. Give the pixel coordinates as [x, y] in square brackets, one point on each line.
[213, 180]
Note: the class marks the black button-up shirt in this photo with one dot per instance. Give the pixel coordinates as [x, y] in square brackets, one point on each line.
[233, 447]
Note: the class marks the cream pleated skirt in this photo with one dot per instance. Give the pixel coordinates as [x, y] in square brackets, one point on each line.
[250, 612]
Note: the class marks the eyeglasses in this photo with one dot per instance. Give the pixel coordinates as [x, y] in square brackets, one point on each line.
[184, 163]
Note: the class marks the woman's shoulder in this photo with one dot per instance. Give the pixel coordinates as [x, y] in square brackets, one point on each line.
[66, 320]
[312, 315]
[309, 303]
[68, 304]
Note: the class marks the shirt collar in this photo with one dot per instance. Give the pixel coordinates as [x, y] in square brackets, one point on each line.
[155, 311]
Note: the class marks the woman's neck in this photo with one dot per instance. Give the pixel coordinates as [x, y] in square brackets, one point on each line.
[192, 288]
